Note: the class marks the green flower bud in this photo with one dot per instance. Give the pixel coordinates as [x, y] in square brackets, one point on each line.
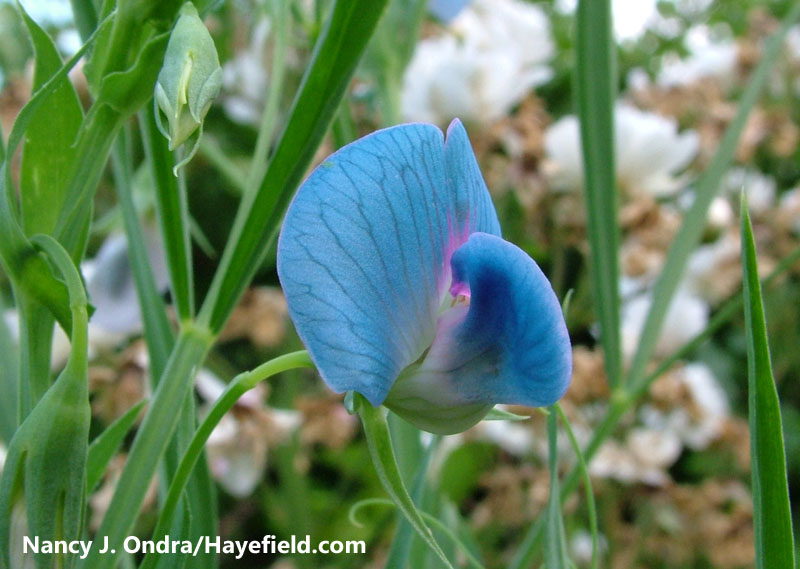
[189, 81]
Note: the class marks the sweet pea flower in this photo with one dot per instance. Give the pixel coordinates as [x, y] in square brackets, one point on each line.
[403, 290]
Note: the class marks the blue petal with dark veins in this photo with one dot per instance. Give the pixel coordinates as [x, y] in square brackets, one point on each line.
[364, 252]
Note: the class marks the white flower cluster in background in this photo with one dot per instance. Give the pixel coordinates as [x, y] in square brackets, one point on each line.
[486, 60]
[760, 188]
[650, 152]
[700, 421]
[238, 446]
[706, 59]
[245, 78]
[686, 317]
[656, 443]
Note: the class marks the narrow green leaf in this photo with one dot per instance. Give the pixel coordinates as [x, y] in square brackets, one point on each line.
[555, 550]
[47, 153]
[150, 444]
[173, 215]
[383, 459]
[694, 221]
[771, 506]
[158, 334]
[334, 59]
[107, 443]
[595, 87]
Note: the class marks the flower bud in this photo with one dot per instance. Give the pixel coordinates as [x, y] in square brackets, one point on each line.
[189, 80]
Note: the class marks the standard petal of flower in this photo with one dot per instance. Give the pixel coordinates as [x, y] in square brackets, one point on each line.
[364, 254]
[446, 10]
[510, 345]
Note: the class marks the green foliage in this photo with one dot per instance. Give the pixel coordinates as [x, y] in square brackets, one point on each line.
[773, 520]
[385, 463]
[107, 443]
[46, 462]
[48, 152]
[334, 60]
[595, 85]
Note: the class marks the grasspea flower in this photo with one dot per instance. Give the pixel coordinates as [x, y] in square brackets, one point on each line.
[402, 289]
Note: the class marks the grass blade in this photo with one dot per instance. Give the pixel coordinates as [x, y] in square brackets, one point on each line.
[771, 506]
[173, 215]
[694, 221]
[595, 85]
[336, 54]
[107, 443]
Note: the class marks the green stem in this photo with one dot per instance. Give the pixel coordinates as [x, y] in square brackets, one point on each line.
[236, 388]
[433, 520]
[94, 144]
[528, 548]
[150, 444]
[587, 483]
[379, 442]
[77, 294]
[158, 333]
[35, 341]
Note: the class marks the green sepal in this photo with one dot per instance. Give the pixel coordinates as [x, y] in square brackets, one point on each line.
[497, 414]
[189, 80]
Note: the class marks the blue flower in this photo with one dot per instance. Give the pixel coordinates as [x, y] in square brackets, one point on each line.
[402, 289]
[446, 10]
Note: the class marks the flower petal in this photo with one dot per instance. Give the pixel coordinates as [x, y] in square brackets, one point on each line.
[510, 345]
[446, 10]
[364, 253]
